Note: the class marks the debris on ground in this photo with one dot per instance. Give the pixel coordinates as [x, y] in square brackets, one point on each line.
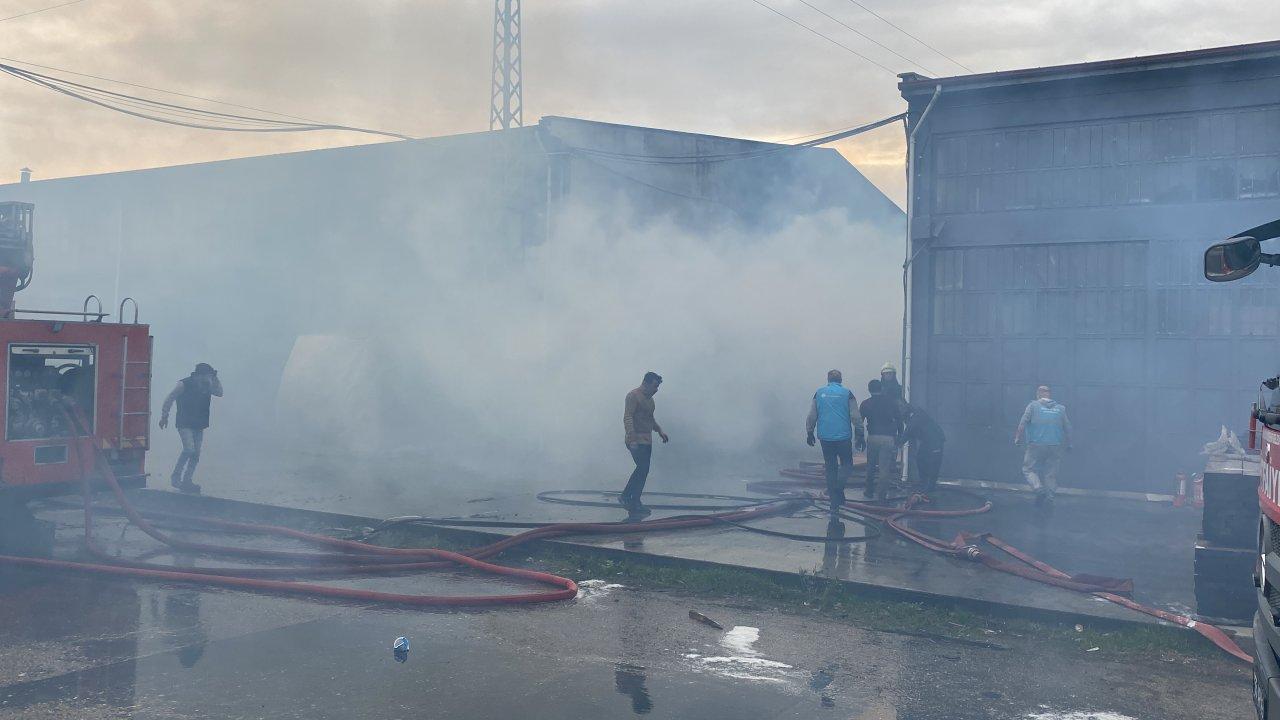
[400, 649]
[695, 615]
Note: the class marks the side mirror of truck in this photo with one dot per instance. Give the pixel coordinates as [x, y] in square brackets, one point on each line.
[1232, 259]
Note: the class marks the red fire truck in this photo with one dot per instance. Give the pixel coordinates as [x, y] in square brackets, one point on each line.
[54, 359]
[1230, 260]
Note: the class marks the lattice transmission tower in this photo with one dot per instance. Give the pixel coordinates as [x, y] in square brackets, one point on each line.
[506, 106]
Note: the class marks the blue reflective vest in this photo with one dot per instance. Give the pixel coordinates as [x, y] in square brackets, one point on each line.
[1046, 427]
[834, 422]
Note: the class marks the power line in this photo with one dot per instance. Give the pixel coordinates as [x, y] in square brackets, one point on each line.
[156, 89]
[33, 12]
[913, 37]
[172, 114]
[868, 37]
[837, 43]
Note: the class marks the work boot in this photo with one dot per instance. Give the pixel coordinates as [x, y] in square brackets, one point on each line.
[869, 491]
[175, 480]
[882, 494]
[638, 512]
[189, 488]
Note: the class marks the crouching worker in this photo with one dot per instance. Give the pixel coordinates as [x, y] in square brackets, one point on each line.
[192, 394]
[926, 438]
[833, 417]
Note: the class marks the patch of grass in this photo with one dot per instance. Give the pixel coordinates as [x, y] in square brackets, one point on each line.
[812, 593]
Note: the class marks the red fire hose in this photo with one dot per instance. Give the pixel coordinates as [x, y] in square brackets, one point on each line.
[1214, 634]
[350, 557]
[809, 475]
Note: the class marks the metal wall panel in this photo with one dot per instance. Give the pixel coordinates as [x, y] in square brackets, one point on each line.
[1148, 357]
[1210, 155]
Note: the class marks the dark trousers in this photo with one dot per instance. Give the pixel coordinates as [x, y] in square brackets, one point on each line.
[929, 463]
[641, 453]
[837, 457]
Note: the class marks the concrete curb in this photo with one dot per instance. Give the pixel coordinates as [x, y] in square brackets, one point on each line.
[317, 520]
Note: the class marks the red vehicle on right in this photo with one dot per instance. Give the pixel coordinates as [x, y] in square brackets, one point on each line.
[1233, 259]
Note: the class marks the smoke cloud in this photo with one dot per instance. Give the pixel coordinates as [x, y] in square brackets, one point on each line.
[503, 365]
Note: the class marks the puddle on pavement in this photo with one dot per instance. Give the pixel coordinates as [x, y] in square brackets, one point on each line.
[630, 680]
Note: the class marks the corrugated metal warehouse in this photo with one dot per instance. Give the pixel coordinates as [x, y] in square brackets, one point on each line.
[1059, 218]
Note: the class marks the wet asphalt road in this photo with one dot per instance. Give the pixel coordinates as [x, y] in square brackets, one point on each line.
[84, 648]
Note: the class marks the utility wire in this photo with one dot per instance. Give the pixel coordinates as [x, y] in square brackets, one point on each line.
[110, 100]
[156, 89]
[837, 43]
[33, 12]
[868, 37]
[125, 97]
[913, 37]
[173, 114]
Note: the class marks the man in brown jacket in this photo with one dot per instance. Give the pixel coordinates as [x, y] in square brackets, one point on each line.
[639, 424]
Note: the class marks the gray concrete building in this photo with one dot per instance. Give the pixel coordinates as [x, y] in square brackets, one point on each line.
[1059, 215]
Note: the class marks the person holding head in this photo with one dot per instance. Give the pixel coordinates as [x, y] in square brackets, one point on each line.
[1047, 431]
[834, 419]
[639, 426]
[192, 395]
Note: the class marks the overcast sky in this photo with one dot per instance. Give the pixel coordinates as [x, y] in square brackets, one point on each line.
[421, 67]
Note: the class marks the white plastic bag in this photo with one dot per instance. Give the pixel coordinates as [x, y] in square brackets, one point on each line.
[1226, 444]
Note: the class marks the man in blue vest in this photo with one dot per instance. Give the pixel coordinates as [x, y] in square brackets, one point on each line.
[192, 395]
[1047, 431]
[833, 417]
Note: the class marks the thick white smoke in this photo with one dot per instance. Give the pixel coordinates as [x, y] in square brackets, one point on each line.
[519, 366]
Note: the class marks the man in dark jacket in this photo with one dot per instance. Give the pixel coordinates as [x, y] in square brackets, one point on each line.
[926, 438]
[889, 384]
[884, 426]
[192, 394]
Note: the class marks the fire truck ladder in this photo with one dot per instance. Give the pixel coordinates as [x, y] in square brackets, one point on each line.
[125, 388]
